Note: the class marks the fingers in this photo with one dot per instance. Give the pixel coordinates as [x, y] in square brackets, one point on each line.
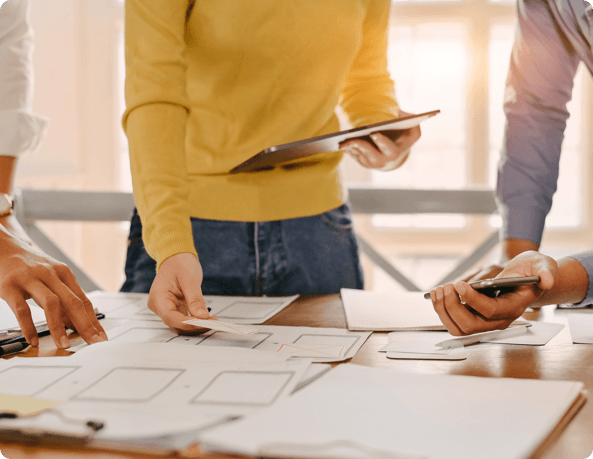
[21, 310]
[384, 154]
[438, 302]
[465, 311]
[167, 305]
[73, 307]
[50, 303]
[81, 318]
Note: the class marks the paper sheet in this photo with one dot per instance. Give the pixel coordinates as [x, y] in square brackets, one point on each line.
[8, 320]
[581, 327]
[410, 345]
[537, 335]
[177, 381]
[269, 337]
[236, 309]
[227, 327]
[367, 310]
[411, 417]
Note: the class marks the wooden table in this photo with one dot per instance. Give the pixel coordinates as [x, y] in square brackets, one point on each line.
[558, 360]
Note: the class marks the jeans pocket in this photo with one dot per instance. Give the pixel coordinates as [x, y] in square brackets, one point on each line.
[339, 219]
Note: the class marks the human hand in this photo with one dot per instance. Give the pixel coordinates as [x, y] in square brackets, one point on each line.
[385, 154]
[25, 273]
[176, 293]
[483, 272]
[465, 311]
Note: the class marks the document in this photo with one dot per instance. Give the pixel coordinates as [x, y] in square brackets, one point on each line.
[373, 311]
[363, 412]
[236, 309]
[318, 344]
[421, 346]
[367, 310]
[581, 328]
[150, 389]
[227, 327]
[538, 334]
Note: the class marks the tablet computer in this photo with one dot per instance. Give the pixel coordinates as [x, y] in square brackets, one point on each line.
[288, 152]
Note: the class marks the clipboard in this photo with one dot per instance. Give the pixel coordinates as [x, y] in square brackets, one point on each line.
[287, 152]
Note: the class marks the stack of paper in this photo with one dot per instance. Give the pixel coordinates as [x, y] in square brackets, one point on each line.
[362, 412]
[236, 309]
[149, 390]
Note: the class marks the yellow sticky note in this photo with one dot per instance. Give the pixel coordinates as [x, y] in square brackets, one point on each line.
[25, 406]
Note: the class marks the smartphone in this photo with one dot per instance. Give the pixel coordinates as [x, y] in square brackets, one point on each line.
[495, 287]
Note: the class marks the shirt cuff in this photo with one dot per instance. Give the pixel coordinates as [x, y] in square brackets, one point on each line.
[586, 259]
[20, 132]
[525, 223]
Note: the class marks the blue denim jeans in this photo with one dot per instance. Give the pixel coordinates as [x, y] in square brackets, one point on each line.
[307, 255]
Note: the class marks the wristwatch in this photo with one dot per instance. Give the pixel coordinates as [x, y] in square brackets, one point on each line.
[6, 205]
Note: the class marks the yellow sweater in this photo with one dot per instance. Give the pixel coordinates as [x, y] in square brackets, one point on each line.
[210, 86]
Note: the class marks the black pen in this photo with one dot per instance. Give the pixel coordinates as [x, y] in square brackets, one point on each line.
[13, 348]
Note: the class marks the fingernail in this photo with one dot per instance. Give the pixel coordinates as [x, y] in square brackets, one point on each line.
[460, 288]
[64, 342]
[439, 294]
[104, 336]
[96, 339]
[448, 289]
[34, 342]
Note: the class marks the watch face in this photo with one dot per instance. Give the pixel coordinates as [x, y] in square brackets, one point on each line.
[5, 204]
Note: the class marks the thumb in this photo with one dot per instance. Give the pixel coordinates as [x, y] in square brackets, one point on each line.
[194, 299]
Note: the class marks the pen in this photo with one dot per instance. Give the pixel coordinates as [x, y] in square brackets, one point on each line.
[515, 330]
[12, 348]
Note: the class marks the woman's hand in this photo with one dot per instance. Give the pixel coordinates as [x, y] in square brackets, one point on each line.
[176, 293]
[385, 154]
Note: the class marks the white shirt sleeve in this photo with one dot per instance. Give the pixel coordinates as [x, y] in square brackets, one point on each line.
[21, 130]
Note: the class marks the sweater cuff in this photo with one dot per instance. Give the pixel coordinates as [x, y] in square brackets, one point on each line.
[586, 259]
[168, 240]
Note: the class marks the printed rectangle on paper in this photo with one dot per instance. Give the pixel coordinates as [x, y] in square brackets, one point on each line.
[29, 381]
[248, 310]
[129, 384]
[244, 388]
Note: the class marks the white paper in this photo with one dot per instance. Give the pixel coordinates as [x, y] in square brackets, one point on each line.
[236, 309]
[367, 310]
[581, 327]
[203, 384]
[431, 416]
[8, 320]
[314, 372]
[269, 337]
[413, 347]
[421, 346]
[333, 351]
[227, 327]
[537, 335]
